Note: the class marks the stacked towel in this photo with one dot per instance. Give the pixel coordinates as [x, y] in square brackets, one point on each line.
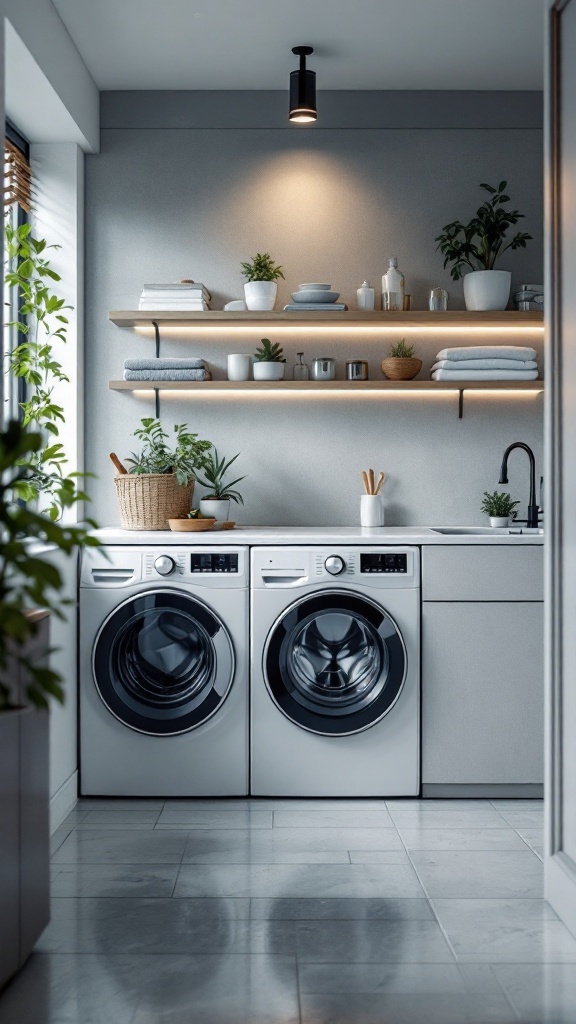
[187, 295]
[166, 369]
[486, 362]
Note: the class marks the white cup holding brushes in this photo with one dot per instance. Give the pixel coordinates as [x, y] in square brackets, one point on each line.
[371, 507]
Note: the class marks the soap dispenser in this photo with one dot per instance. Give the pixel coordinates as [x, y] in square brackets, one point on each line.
[365, 297]
[393, 286]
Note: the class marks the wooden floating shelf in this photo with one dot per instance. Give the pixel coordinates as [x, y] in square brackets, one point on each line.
[331, 385]
[421, 318]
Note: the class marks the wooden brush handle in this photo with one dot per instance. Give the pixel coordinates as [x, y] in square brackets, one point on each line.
[381, 480]
[121, 469]
[371, 481]
[365, 479]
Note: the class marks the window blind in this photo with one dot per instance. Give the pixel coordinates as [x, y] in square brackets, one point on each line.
[17, 177]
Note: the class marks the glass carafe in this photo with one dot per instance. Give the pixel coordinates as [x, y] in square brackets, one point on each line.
[301, 370]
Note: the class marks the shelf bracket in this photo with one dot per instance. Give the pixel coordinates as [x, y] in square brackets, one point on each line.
[157, 390]
[461, 403]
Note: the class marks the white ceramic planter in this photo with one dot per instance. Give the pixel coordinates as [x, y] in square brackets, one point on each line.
[487, 289]
[371, 510]
[269, 371]
[499, 522]
[215, 508]
[260, 295]
[239, 366]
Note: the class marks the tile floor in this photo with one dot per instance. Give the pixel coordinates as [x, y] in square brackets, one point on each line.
[298, 912]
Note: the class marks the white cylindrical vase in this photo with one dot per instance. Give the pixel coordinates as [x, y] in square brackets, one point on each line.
[238, 366]
[371, 510]
[487, 289]
[260, 295]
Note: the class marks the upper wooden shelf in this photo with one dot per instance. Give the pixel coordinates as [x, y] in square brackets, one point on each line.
[418, 318]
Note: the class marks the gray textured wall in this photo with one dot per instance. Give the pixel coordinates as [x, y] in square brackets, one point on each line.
[330, 206]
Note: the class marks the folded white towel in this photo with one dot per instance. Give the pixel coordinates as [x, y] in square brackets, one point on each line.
[488, 352]
[167, 375]
[485, 364]
[485, 375]
[188, 363]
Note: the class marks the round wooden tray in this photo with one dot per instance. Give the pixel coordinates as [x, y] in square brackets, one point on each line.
[191, 525]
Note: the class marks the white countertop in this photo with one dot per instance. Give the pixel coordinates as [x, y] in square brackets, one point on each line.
[318, 535]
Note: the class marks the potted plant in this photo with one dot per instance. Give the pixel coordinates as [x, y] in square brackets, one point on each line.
[216, 504]
[160, 482]
[261, 274]
[500, 507]
[400, 363]
[269, 361]
[478, 245]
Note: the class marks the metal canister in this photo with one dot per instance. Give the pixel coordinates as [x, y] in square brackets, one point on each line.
[356, 369]
[323, 368]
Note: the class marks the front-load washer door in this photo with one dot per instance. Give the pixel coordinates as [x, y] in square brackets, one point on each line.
[163, 663]
[334, 663]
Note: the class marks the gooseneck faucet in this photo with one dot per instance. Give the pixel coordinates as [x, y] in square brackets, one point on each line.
[533, 509]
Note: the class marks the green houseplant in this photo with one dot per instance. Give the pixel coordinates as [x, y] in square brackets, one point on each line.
[261, 275]
[478, 245]
[400, 363]
[269, 361]
[160, 483]
[220, 492]
[499, 506]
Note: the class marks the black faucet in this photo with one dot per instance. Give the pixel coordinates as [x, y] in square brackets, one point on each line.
[533, 509]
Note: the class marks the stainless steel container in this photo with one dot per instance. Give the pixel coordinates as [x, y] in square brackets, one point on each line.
[323, 368]
[356, 369]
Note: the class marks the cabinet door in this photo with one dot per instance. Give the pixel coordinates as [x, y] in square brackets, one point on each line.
[482, 692]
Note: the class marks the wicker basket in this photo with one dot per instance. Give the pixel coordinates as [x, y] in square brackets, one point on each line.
[147, 502]
[396, 368]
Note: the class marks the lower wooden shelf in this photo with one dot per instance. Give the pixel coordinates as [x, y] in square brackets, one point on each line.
[328, 385]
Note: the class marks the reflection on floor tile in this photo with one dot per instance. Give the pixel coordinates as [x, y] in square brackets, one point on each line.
[134, 880]
[540, 994]
[309, 880]
[460, 839]
[511, 931]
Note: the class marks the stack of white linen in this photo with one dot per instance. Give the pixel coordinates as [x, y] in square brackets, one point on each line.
[486, 362]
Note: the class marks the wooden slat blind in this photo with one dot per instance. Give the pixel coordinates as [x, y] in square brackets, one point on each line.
[17, 177]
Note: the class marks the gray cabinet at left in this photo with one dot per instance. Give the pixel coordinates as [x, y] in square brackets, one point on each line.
[24, 833]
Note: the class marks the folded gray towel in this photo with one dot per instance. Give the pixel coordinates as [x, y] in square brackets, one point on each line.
[485, 364]
[485, 375]
[188, 363]
[189, 374]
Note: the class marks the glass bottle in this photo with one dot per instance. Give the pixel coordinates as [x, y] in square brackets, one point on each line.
[301, 370]
[393, 286]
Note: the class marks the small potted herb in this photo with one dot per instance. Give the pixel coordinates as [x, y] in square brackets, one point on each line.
[400, 363]
[500, 507]
[220, 492]
[261, 275]
[478, 244]
[269, 361]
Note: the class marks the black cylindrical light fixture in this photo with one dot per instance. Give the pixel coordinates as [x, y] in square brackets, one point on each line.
[303, 88]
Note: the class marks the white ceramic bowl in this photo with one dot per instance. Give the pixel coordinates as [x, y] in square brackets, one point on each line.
[317, 295]
[314, 287]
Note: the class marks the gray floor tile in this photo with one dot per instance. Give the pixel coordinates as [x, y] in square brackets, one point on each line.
[487, 874]
[518, 805]
[406, 1008]
[242, 846]
[379, 857]
[439, 805]
[461, 839]
[282, 880]
[389, 977]
[123, 847]
[534, 837]
[244, 819]
[423, 818]
[73, 819]
[333, 819]
[133, 880]
[117, 826]
[97, 803]
[123, 817]
[275, 804]
[540, 994]
[293, 909]
[511, 931]
[363, 942]
[524, 819]
[58, 837]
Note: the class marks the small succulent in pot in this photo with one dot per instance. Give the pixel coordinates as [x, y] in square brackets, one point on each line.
[401, 364]
[261, 275]
[269, 361]
[500, 507]
[220, 491]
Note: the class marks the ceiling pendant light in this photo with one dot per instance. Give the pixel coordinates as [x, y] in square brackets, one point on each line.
[303, 88]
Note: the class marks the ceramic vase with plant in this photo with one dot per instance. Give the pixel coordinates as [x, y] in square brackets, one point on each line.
[261, 275]
[220, 492]
[400, 363]
[478, 245]
[500, 507]
[269, 361]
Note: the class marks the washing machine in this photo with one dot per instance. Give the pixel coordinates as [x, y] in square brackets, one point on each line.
[335, 672]
[164, 671]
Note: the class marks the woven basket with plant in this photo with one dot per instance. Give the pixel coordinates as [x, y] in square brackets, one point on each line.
[401, 364]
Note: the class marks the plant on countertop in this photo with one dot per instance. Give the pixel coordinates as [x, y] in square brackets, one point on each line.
[480, 243]
[27, 580]
[215, 470]
[261, 268]
[401, 350]
[498, 505]
[269, 353]
[187, 455]
[42, 321]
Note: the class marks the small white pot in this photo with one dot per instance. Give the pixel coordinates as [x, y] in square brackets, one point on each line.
[487, 289]
[371, 510]
[269, 371]
[260, 295]
[499, 522]
[215, 508]
[239, 366]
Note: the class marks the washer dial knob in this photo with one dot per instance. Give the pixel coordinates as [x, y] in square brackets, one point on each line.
[164, 565]
[334, 565]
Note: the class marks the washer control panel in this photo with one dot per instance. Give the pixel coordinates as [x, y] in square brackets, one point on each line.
[385, 561]
[334, 564]
[164, 565]
[213, 561]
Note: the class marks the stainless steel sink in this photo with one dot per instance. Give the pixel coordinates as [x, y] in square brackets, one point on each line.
[486, 531]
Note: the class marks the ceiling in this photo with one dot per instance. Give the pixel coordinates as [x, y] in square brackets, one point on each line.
[360, 44]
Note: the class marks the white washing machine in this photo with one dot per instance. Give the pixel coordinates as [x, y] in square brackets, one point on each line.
[335, 672]
[164, 671]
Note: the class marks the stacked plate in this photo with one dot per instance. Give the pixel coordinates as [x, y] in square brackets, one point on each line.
[315, 296]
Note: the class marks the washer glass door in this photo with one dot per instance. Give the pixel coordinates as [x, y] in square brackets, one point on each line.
[163, 662]
[335, 663]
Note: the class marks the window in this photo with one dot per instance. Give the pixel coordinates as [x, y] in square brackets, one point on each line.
[17, 205]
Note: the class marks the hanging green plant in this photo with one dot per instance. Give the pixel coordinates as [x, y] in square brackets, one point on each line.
[42, 322]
